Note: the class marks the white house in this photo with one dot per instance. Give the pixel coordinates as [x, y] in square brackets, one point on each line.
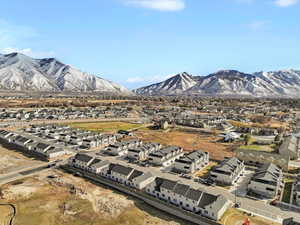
[228, 171]
[267, 181]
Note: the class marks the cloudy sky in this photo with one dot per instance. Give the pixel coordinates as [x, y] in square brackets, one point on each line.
[137, 42]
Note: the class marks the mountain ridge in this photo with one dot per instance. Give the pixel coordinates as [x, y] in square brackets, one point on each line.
[284, 83]
[22, 73]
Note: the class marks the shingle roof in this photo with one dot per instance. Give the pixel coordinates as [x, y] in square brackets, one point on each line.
[83, 157]
[193, 194]
[122, 169]
[181, 189]
[168, 184]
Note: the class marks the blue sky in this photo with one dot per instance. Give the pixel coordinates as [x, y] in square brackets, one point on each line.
[137, 42]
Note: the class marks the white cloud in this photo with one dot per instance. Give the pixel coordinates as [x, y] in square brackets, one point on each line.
[257, 25]
[152, 79]
[285, 3]
[161, 5]
[28, 52]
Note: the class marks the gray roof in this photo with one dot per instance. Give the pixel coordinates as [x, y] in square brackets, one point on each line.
[122, 169]
[83, 157]
[168, 184]
[207, 199]
[181, 189]
[193, 194]
[268, 173]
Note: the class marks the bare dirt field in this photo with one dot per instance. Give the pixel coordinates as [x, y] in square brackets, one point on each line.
[67, 200]
[11, 160]
[189, 141]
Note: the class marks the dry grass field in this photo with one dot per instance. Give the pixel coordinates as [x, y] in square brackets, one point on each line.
[189, 141]
[53, 201]
[11, 160]
[104, 126]
[236, 217]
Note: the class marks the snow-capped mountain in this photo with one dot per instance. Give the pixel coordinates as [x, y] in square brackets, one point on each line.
[285, 83]
[22, 73]
[177, 84]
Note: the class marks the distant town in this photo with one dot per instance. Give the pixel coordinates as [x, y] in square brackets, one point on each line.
[198, 160]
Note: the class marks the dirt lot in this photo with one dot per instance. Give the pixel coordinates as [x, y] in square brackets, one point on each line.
[189, 141]
[236, 217]
[67, 200]
[11, 160]
[105, 126]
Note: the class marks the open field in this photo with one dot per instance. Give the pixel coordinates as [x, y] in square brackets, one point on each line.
[67, 200]
[189, 141]
[5, 214]
[236, 217]
[11, 160]
[270, 124]
[264, 148]
[104, 126]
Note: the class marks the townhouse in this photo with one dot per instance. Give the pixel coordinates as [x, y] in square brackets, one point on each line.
[141, 153]
[185, 197]
[191, 162]
[296, 190]
[291, 147]
[119, 173]
[165, 156]
[228, 171]
[121, 148]
[266, 181]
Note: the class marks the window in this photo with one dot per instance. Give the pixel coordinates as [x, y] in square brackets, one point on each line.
[269, 189]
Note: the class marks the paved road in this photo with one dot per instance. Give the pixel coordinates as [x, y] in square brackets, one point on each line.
[16, 175]
[254, 206]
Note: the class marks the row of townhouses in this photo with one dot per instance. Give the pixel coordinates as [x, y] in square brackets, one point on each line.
[165, 156]
[196, 201]
[121, 148]
[33, 147]
[62, 114]
[266, 181]
[75, 138]
[291, 147]
[228, 171]
[191, 162]
[141, 153]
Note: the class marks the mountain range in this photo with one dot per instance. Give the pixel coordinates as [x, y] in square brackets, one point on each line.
[282, 83]
[22, 73]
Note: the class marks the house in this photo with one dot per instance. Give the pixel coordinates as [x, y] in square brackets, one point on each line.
[228, 171]
[165, 156]
[81, 160]
[120, 173]
[121, 148]
[191, 162]
[89, 163]
[141, 153]
[183, 196]
[291, 147]
[296, 191]
[266, 181]
[5, 134]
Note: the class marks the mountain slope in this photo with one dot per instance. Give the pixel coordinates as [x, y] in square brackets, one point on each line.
[22, 73]
[284, 83]
[174, 85]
